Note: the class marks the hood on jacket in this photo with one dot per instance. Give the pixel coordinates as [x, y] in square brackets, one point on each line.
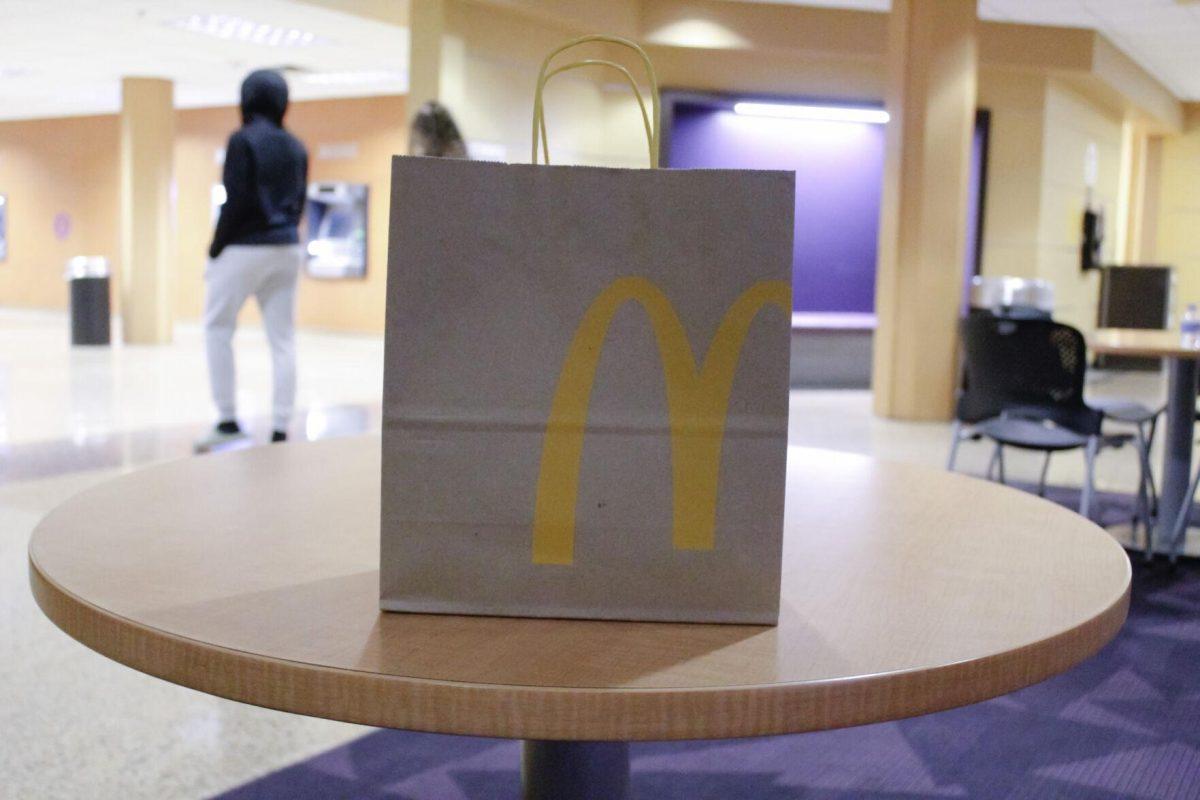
[264, 94]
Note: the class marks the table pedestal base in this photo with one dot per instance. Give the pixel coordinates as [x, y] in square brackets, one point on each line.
[1177, 453]
[575, 770]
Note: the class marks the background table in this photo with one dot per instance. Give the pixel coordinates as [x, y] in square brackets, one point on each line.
[1181, 415]
[254, 576]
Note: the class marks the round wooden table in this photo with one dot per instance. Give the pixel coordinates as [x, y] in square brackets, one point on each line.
[1183, 364]
[253, 575]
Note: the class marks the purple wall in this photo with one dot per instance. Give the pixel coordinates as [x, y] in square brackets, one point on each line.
[839, 181]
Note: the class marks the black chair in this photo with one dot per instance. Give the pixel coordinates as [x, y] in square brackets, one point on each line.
[1023, 387]
[1015, 312]
[1142, 418]
[972, 408]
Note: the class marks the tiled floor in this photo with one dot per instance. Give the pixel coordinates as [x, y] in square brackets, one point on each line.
[73, 724]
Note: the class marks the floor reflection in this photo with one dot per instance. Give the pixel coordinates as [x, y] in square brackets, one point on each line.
[90, 449]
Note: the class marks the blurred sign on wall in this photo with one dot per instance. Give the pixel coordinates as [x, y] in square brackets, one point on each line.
[337, 151]
[62, 226]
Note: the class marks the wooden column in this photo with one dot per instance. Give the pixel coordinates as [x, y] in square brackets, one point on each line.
[1130, 197]
[1146, 246]
[435, 58]
[931, 80]
[147, 209]
[427, 30]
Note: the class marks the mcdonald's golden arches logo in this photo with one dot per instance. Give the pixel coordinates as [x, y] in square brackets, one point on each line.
[697, 403]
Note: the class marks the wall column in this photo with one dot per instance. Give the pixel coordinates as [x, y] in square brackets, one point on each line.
[435, 58]
[1146, 245]
[147, 209]
[931, 85]
[1131, 198]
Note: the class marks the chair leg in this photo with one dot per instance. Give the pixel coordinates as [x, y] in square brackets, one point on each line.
[1000, 462]
[1089, 480]
[1150, 485]
[995, 459]
[1042, 480]
[1145, 496]
[1141, 518]
[1185, 513]
[955, 441]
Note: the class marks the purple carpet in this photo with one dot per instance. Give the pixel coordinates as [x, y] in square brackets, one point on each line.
[1125, 724]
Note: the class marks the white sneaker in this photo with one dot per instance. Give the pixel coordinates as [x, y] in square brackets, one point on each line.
[217, 439]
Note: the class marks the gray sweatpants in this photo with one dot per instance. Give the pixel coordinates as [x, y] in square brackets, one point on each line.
[269, 272]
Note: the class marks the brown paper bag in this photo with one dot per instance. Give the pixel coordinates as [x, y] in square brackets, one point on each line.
[586, 391]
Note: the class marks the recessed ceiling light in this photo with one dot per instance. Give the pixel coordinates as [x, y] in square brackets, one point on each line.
[239, 29]
[352, 77]
[875, 116]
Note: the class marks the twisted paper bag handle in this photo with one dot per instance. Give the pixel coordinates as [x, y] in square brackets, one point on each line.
[649, 121]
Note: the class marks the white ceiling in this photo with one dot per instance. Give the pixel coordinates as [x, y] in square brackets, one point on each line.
[65, 57]
[1161, 35]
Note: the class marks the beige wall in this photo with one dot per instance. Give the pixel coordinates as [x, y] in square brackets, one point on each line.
[620, 17]
[1072, 125]
[1041, 131]
[1016, 101]
[51, 167]
[1178, 232]
[494, 57]
[70, 166]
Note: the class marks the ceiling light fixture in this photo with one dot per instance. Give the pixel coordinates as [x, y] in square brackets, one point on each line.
[874, 116]
[239, 29]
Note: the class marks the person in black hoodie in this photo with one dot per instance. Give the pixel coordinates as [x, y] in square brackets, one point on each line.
[256, 251]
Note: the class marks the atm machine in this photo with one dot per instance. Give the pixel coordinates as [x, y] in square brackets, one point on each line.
[336, 223]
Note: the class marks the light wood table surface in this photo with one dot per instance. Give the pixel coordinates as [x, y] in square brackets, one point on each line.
[1183, 364]
[254, 576]
[1138, 342]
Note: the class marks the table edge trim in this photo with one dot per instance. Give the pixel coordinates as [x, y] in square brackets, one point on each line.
[565, 713]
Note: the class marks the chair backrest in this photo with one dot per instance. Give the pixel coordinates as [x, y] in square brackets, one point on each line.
[1022, 312]
[1013, 364]
[1014, 312]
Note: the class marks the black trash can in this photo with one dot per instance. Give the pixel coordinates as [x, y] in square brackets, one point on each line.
[88, 277]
